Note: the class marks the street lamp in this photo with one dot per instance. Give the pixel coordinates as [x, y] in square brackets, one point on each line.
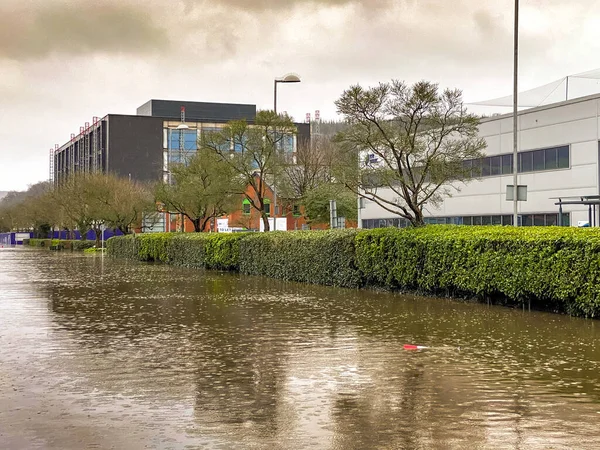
[289, 78]
[515, 118]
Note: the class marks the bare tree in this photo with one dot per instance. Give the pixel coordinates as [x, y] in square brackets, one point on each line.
[410, 140]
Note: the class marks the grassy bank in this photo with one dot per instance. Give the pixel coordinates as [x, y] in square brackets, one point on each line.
[60, 244]
[551, 268]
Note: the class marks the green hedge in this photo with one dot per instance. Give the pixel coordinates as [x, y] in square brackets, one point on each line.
[321, 257]
[553, 268]
[202, 250]
[60, 244]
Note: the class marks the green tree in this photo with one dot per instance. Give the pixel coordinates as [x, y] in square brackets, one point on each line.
[30, 210]
[254, 152]
[79, 203]
[316, 203]
[120, 202]
[202, 189]
[410, 140]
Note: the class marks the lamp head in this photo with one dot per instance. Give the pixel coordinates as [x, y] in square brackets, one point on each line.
[289, 78]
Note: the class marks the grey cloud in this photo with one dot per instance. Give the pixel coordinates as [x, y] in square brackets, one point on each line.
[76, 28]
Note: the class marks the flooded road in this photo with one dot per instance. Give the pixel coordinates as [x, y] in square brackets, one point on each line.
[103, 353]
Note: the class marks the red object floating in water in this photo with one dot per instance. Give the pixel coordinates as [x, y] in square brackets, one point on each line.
[413, 347]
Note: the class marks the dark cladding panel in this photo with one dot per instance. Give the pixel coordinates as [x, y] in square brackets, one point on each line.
[303, 133]
[198, 111]
[135, 147]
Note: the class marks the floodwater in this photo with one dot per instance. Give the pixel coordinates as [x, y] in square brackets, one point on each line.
[100, 353]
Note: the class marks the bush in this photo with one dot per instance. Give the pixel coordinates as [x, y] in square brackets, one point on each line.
[321, 257]
[47, 243]
[553, 268]
[80, 245]
[60, 244]
[201, 250]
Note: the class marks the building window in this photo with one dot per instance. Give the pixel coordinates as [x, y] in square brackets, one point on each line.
[530, 161]
[246, 207]
[267, 207]
[525, 220]
[296, 211]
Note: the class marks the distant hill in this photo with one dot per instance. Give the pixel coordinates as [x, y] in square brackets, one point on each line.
[3, 194]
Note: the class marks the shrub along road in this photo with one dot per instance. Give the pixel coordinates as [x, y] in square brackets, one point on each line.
[550, 267]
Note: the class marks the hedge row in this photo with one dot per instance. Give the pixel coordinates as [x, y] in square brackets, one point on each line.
[59, 244]
[210, 251]
[551, 267]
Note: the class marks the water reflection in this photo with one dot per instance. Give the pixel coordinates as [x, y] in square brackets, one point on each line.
[220, 359]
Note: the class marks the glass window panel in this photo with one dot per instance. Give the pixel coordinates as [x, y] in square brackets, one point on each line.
[381, 223]
[467, 220]
[539, 220]
[563, 157]
[551, 158]
[191, 140]
[551, 220]
[486, 220]
[538, 160]
[507, 220]
[527, 220]
[496, 220]
[477, 220]
[507, 164]
[476, 171]
[495, 165]
[566, 220]
[486, 167]
[526, 162]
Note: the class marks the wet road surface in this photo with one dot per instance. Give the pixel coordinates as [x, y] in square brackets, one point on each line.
[102, 353]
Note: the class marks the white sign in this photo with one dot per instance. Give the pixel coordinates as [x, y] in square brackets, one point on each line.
[281, 224]
[223, 225]
[20, 236]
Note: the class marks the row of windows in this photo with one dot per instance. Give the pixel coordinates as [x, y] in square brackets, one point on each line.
[190, 140]
[525, 220]
[531, 161]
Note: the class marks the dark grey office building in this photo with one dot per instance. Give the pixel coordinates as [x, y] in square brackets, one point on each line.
[142, 146]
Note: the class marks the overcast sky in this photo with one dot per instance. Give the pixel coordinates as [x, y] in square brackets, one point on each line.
[64, 61]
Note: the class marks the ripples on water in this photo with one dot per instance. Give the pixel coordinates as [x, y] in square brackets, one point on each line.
[101, 353]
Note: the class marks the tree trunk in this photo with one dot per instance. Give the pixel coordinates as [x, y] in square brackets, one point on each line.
[418, 220]
[197, 227]
[265, 220]
[204, 223]
[98, 237]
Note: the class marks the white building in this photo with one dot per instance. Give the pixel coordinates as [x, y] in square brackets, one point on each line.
[558, 157]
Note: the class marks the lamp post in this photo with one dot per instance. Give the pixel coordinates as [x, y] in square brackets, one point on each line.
[289, 78]
[182, 127]
[515, 120]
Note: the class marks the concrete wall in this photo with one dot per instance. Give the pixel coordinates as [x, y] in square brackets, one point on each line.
[573, 123]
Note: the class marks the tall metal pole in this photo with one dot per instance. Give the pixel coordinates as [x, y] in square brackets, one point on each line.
[515, 119]
[275, 97]
[274, 187]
